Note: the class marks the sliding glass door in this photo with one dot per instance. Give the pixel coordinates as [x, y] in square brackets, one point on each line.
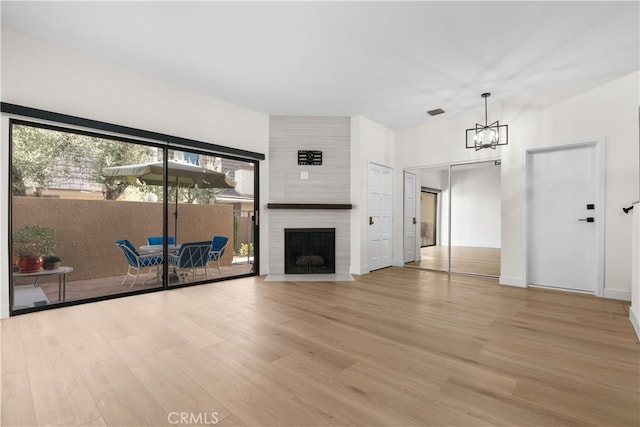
[122, 216]
[210, 203]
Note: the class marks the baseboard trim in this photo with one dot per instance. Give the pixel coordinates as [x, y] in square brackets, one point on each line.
[339, 277]
[359, 272]
[513, 281]
[621, 295]
[634, 321]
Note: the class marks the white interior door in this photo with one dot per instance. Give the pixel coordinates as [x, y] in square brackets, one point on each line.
[565, 235]
[380, 216]
[410, 217]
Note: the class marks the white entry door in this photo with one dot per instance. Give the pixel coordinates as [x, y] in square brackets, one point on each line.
[410, 217]
[380, 216]
[565, 217]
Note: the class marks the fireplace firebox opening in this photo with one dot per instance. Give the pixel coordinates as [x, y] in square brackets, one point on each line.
[309, 250]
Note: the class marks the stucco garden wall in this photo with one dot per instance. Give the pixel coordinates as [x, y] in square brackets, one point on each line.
[86, 230]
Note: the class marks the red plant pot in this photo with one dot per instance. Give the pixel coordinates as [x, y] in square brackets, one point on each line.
[29, 264]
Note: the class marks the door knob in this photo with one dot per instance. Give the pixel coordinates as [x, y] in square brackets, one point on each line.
[414, 221]
[588, 219]
[371, 220]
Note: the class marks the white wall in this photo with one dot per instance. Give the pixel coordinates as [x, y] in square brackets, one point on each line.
[608, 111]
[634, 310]
[39, 75]
[432, 177]
[370, 142]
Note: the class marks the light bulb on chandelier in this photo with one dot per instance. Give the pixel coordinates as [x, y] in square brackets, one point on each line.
[486, 137]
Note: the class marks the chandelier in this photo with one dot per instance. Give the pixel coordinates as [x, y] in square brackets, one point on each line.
[487, 135]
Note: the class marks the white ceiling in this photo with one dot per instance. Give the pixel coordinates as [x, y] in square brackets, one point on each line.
[388, 61]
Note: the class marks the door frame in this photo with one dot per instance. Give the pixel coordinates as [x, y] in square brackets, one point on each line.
[437, 193]
[598, 145]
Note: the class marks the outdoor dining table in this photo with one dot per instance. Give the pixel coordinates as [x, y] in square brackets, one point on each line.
[158, 248]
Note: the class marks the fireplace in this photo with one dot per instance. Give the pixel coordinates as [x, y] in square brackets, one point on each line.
[309, 250]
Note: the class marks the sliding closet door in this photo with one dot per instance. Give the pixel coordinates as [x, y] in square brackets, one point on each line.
[475, 218]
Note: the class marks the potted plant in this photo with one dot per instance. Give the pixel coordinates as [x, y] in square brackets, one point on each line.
[30, 243]
[52, 262]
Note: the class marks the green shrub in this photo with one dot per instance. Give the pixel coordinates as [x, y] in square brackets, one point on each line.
[246, 249]
[51, 258]
[33, 241]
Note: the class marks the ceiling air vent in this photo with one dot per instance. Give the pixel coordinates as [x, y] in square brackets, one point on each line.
[435, 112]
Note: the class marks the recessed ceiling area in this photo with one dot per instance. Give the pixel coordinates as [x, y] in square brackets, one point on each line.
[388, 61]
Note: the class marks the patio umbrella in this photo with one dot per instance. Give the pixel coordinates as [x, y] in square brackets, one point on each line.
[181, 174]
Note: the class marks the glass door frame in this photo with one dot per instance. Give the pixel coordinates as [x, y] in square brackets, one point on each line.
[437, 193]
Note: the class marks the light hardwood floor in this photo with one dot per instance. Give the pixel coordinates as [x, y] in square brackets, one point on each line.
[398, 346]
[464, 259]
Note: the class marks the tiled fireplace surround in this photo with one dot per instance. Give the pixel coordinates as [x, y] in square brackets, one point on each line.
[328, 183]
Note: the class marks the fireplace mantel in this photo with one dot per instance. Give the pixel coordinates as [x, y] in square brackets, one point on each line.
[309, 206]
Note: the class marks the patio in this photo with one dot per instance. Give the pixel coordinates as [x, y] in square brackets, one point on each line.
[90, 288]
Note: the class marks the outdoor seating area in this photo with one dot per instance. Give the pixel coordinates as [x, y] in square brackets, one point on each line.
[105, 265]
[159, 240]
[77, 290]
[47, 292]
[137, 262]
[29, 293]
[218, 245]
[188, 262]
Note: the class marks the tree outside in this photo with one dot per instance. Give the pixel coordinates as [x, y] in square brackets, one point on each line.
[42, 158]
[45, 158]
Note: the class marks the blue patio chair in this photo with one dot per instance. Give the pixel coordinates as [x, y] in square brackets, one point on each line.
[218, 245]
[136, 262]
[159, 240]
[190, 257]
